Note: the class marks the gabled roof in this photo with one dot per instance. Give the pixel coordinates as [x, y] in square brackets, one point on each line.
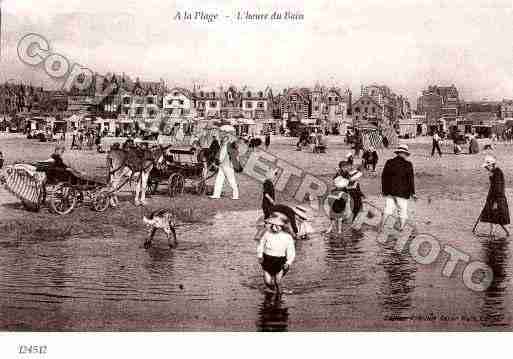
[304, 95]
[187, 93]
[367, 98]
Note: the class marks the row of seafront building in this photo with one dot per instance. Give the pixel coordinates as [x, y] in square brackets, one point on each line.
[122, 102]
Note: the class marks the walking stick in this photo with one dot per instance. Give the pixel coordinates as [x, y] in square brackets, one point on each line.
[475, 225]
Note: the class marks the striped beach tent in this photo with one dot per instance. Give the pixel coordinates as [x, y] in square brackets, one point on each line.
[390, 134]
[371, 138]
[25, 183]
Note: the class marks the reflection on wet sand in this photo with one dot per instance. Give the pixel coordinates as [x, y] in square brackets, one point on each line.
[396, 291]
[273, 316]
[493, 309]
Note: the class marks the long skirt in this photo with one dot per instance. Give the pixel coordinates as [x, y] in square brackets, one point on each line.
[500, 215]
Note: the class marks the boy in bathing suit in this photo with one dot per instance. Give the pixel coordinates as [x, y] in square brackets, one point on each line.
[275, 252]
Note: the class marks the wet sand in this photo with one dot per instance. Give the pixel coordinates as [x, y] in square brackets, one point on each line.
[98, 276]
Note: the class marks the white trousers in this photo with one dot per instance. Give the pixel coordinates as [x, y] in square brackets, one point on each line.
[396, 203]
[226, 170]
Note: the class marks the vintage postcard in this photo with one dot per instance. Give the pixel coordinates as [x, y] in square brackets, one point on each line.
[219, 166]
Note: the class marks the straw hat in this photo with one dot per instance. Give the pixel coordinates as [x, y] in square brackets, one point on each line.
[402, 149]
[340, 182]
[488, 161]
[276, 219]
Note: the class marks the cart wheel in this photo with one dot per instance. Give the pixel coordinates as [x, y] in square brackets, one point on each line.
[101, 201]
[175, 184]
[201, 187]
[151, 187]
[63, 200]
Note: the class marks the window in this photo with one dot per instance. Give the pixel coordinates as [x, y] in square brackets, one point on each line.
[213, 104]
[180, 102]
[357, 109]
[366, 109]
[127, 100]
[374, 110]
[249, 104]
[330, 99]
[150, 100]
[213, 94]
[125, 111]
[260, 94]
[175, 94]
[293, 98]
[316, 108]
[202, 94]
[169, 102]
[138, 110]
[151, 113]
[260, 104]
[201, 104]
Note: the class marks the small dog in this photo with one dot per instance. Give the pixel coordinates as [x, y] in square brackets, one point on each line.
[165, 220]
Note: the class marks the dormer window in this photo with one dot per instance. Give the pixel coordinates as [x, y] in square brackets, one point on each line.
[213, 94]
[260, 94]
[202, 94]
[249, 93]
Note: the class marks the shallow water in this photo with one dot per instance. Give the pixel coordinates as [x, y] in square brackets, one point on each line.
[213, 281]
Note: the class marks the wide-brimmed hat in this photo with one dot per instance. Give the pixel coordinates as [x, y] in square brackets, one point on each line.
[402, 149]
[488, 161]
[349, 154]
[302, 212]
[277, 219]
[340, 182]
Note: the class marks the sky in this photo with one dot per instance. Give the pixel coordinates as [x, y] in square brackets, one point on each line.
[406, 45]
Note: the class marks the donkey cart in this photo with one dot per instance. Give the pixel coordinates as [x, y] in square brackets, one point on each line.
[37, 184]
[178, 170]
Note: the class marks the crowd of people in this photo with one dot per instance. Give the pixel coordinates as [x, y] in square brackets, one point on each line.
[283, 223]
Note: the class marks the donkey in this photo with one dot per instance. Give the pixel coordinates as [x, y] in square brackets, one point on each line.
[132, 162]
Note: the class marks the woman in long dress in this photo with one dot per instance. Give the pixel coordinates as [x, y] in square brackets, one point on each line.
[496, 210]
[474, 145]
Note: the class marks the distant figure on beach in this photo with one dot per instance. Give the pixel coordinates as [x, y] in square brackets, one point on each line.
[267, 140]
[74, 140]
[474, 145]
[496, 210]
[276, 252]
[370, 158]
[436, 145]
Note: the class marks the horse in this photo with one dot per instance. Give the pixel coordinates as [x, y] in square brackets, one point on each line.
[133, 161]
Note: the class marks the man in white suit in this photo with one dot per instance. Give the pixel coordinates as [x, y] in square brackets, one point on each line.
[226, 155]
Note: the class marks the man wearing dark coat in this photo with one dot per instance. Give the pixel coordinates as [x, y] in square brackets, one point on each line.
[496, 210]
[398, 185]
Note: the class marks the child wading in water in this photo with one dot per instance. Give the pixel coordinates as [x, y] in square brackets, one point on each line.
[275, 252]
